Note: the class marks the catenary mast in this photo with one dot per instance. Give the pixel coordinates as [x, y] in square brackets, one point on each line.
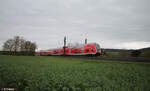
[64, 45]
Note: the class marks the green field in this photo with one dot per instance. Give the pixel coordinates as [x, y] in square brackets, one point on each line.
[37, 73]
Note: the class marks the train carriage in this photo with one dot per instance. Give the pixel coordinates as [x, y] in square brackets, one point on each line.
[86, 49]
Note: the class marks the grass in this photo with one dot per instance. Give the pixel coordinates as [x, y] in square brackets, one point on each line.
[37, 73]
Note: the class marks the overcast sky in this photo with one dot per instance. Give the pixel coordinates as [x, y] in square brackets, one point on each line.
[111, 23]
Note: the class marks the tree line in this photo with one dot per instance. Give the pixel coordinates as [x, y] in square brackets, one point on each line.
[19, 46]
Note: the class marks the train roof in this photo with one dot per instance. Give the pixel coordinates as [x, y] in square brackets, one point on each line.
[73, 46]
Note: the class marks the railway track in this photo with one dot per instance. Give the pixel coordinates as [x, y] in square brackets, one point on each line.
[114, 59]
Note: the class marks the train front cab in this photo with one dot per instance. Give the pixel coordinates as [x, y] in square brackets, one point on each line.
[92, 49]
[98, 49]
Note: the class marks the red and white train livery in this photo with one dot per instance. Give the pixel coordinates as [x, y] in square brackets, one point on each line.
[85, 49]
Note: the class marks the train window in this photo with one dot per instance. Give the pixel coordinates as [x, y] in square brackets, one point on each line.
[92, 49]
[97, 46]
[77, 52]
[87, 50]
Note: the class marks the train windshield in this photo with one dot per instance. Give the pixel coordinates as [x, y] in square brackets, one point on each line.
[97, 47]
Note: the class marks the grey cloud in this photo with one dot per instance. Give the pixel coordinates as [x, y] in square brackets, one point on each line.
[108, 22]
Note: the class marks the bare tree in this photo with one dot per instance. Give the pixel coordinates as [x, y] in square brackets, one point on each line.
[33, 47]
[29, 46]
[18, 44]
[8, 45]
[22, 42]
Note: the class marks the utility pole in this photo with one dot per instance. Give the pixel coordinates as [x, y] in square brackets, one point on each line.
[65, 45]
[86, 41]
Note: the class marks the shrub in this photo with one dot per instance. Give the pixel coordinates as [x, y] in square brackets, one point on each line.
[135, 53]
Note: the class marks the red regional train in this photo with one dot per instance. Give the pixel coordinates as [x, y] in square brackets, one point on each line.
[92, 49]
